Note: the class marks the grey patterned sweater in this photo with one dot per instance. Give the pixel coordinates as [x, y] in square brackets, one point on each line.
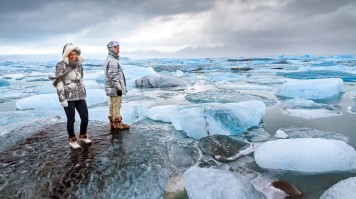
[71, 88]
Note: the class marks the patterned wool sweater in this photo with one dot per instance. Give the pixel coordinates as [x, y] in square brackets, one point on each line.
[71, 88]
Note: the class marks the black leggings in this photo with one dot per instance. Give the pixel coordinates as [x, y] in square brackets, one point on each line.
[82, 109]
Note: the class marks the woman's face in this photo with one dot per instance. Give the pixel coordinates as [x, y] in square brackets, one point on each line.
[73, 56]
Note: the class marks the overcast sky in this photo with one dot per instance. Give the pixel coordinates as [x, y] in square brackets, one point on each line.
[200, 28]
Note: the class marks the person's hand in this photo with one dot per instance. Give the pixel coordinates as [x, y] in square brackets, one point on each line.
[64, 103]
[119, 93]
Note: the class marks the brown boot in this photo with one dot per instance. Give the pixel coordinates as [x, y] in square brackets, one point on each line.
[118, 125]
[111, 123]
[125, 126]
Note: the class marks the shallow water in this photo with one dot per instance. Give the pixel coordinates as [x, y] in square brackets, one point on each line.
[139, 163]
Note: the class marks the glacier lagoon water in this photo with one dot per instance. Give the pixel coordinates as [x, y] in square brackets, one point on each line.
[141, 163]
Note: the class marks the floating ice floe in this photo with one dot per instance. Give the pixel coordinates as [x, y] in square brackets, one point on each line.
[344, 189]
[304, 108]
[211, 118]
[162, 113]
[229, 77]
[50, 101]
[226, 96]
[281, 134]
[311, 113]
[306, 155]
[304, 132]
[207, 183]
[4, 83]
[159, 81]
[321, 74]
[311, 89]
[352, 109]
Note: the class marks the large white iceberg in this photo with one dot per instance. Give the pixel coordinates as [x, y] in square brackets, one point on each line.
[344, 189]
[207, 183]
[306, 155]
[312, 88]
[211, 118]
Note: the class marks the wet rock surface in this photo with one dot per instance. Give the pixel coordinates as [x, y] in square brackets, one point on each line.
[132, 163]
[221, 147]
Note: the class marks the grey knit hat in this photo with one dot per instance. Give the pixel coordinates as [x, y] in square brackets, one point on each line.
[112, 44]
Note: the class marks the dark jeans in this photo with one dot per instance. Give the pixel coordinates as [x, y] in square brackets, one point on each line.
[82, 109]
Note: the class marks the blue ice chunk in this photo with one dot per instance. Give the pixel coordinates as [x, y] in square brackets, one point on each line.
[226, 96]
[4, 83]
[320, 74]
[325, 63]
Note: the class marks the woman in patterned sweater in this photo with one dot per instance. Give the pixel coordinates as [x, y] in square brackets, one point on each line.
[71, 92]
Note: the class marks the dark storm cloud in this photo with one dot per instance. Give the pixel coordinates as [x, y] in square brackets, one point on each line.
[250, 26]
[295, 26]
[307, 8]
[23, 19]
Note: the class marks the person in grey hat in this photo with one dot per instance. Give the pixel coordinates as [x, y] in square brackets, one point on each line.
[71, 92]
[115, 86]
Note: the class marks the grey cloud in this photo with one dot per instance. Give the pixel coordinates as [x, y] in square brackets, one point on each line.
[293, 27]
[282, 26]
[23, 20]
[307, 8]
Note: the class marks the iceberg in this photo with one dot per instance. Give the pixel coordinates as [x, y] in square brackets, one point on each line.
[211, 118]
[159, 81]
[344, 189]
[4, 83]
[313, 89]
[321, 74]
[208, 183]
[306, 155]
[303, 132]
[309, 109]
[162, 113]
[50, 101]
[226, 96]
[311, 113]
